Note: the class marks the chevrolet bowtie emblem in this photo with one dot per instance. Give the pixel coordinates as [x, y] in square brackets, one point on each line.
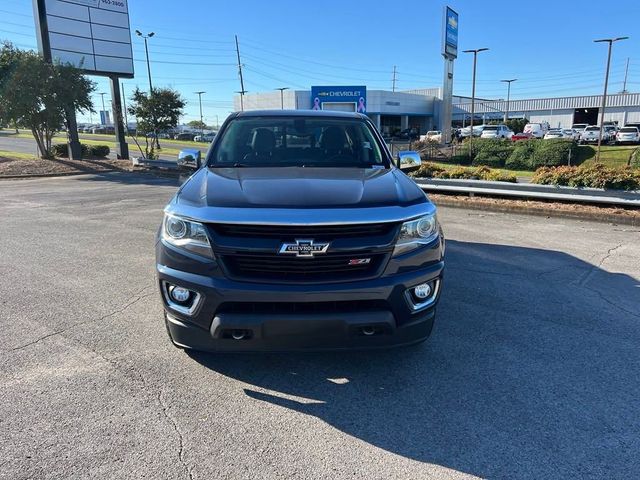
[304, 248]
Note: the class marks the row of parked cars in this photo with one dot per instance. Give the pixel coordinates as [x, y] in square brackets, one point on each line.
[580, 132]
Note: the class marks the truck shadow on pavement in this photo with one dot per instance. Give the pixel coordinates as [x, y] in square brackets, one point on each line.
[531, 372]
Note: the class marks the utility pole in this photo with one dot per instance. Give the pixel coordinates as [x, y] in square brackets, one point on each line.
[393, 80]
[146, 49]
[242, 90]
[201, 122]
[473, 94]
[626, 73]
[508, 82]
[282, 89]
[610, 41]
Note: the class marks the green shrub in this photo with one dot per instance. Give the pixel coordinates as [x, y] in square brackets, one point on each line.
[593, 175]
[553, 152]
[523, 152]
[61, 150]
[491, 152]
[487, 159]
[635, 158]
[428, 170]
[99, 150]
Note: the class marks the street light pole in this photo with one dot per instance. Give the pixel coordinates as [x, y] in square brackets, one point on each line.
[508, 82]
[201, 122]
[282, 89]
[473, 94]
[146, 49]
[610, 41]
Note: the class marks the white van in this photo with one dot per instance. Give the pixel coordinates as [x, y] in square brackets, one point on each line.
[538, 130]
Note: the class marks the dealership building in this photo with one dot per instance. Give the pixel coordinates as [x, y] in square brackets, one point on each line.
[421, 108]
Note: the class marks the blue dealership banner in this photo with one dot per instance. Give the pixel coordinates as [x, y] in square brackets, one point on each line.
[450, 33]
[349, 94]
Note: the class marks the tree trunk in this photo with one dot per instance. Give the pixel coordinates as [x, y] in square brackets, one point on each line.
[38, 136]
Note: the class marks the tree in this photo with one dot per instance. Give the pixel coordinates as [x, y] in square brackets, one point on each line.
[160, 110]
[198, 125]
[36, 95]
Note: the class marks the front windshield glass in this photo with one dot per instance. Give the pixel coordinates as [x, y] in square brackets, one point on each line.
[297, 142]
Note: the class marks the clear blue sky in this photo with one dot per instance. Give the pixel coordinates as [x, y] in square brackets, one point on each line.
[548, 46]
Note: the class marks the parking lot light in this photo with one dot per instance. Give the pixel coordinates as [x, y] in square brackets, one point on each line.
[473, 94]
[610, 41]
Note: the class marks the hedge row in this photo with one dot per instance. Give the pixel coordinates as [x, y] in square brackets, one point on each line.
[593, 175]
[431, 170]
[635, 158]
[522, 155]
[60, 150]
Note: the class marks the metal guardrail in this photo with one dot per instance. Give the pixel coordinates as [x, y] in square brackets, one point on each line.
[532, 191]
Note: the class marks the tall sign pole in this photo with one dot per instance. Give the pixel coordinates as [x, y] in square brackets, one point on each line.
[100, 34]
[450, 53]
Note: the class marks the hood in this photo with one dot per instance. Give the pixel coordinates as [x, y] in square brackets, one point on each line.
[299, 188]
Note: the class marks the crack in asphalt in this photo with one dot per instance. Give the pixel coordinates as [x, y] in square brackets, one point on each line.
[138, 296]
[181, 449]
[606, 300]
[594, 268]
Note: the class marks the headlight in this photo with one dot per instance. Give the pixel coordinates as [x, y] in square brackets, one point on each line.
[415, 233]
[186, 234]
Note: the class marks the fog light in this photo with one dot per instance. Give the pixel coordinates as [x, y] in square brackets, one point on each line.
[179, 294]
[422, 291]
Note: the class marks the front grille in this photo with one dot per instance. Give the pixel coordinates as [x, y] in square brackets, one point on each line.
[285, 308]
[287, 232]
[323, 268]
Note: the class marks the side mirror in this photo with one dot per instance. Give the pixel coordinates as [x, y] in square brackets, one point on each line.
[190, 158]
[409, 161]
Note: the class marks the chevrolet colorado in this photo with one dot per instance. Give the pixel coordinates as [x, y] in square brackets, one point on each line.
[299, 232]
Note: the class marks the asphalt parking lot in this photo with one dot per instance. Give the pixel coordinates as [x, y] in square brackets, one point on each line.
[531, 371]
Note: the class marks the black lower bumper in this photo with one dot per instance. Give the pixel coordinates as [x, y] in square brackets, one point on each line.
[244, 316]
[374, 329]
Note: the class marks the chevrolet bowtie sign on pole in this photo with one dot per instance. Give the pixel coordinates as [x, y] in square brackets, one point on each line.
[94, 36]
[450, 53]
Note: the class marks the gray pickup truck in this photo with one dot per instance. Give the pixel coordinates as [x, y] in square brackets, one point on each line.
[299, 232]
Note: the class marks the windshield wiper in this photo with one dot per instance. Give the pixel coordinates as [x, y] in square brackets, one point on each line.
[231, 165]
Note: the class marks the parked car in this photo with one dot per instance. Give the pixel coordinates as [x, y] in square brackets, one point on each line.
[538, 130]
[241, 246]
[496, 131]
[612, 131]
[628, 135]
[407, 134]
[432, 136]
[184, 136]
[579, 127]
[570, 133]
[521, 136]
[207, 138]
[592, 133]
[554, 133]
[477, 131]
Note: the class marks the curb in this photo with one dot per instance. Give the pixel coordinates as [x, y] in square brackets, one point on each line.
[536, 209]
[52, 175]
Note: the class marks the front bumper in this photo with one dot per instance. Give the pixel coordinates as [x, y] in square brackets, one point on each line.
[370, 313]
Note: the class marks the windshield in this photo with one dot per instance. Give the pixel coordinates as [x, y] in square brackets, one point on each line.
[281, 141]
[592, 129]
[629, 130]
[490, 129]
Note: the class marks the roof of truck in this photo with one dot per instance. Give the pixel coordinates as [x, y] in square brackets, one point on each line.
[299, 113]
